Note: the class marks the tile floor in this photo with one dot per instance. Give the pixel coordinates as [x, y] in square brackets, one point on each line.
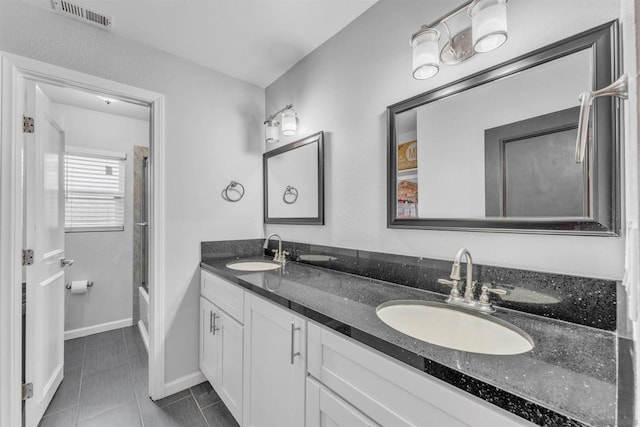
[106, 384]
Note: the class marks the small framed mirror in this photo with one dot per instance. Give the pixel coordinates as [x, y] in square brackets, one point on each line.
[294, 182]
[496, 151]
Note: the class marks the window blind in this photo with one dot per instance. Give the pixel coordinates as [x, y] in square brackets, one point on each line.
[94, 192]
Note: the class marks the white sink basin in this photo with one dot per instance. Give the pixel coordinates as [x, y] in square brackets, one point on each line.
[253, 265]
[454, 328]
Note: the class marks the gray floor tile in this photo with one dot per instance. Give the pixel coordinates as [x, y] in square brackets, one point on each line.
[135, 345]
[110, 352]
[182, 413]
[68, 393]
[173, 398]
[205, 394]
[219, 416]
[124, 416]
[73, 353]
[66, 418]
[105, 390]
[140, 375]
[103, 337]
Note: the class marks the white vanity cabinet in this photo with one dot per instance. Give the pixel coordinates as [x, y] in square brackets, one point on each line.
[327, 409]
[222, 339]
[274, 365]
[357, 386]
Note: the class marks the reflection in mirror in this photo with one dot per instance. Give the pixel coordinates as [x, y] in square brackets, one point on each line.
[497, 151]
[527, 296]
[294, 182]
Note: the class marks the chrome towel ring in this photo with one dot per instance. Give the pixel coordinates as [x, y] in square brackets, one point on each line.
[233, 187]
[290, 195]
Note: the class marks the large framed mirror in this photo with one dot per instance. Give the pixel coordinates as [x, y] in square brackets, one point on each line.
[294, 182]
[496, 151]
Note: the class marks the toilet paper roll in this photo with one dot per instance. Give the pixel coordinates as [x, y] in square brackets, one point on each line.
[79, 286]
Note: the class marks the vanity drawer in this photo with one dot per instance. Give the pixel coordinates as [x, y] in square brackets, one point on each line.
[390, 394]
[226, 295]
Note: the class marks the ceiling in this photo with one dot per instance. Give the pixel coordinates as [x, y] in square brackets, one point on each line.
[88, 100]
[252, 40]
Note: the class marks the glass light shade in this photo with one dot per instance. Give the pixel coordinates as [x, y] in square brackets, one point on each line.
[488, 24]
[271, 132]
[426, 53]
[289, 125]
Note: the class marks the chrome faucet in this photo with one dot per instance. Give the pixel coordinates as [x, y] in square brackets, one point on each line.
[468, 301]
[455, 269]
[280, 255]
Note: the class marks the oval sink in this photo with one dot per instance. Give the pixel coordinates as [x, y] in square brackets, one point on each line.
[454, 328]
[253, 265]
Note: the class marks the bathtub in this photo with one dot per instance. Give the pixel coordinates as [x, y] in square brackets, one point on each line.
[143, 323]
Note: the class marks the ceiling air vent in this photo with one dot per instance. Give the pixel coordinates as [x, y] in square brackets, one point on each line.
[82, 13]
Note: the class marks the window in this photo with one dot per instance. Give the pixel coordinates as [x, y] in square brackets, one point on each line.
[94, 190]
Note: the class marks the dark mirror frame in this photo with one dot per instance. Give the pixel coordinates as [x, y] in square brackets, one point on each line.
[604, 151]
[317, 220]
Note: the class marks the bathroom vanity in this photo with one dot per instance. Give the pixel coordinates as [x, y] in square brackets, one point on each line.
[261, 357]
[302, 345]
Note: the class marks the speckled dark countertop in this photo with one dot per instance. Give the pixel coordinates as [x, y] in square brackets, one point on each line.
[569, 378]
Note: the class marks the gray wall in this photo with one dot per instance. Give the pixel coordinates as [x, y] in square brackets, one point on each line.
[344, 87]
[213, 135]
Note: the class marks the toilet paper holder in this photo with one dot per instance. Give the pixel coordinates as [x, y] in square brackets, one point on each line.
[89, 284]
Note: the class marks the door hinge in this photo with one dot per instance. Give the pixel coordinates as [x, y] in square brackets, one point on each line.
[27, 256]
[28, 125]
[27, 391]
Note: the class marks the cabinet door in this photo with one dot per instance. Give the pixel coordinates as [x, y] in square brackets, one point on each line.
[275, 358]
[326, 409]
[209, 343]
[229, 387]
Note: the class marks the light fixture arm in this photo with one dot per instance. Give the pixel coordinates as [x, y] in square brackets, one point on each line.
[274, 115]
[619, 88]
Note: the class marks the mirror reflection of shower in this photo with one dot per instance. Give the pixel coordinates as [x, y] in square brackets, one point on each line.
[141, 237]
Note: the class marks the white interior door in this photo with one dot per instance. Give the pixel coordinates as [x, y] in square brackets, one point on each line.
[44, 234]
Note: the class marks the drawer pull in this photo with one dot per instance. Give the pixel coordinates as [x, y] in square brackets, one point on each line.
[214, 327]
[293, 332]
[210, 322]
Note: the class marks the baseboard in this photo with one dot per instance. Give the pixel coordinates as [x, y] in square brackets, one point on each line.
[144, 334]
[96, 329]
[184, 383]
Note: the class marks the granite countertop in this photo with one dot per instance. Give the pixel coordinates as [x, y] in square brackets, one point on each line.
[569, 378]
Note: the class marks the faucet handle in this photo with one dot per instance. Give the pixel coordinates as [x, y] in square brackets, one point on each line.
[486, 289]
[455, 293]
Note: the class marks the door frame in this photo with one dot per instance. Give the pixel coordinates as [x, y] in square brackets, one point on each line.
[13, 69]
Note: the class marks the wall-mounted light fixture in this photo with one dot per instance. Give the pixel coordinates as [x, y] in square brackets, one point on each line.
[477, 26]
[286, 118]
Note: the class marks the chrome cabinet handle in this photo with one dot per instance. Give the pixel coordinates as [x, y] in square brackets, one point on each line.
[293, 331]
[211, 322]
[214, 326]
[142, 224]
[65, 262]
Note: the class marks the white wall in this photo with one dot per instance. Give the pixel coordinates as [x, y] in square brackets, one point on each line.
[344, 87]
[213, 135]
[106, 258]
